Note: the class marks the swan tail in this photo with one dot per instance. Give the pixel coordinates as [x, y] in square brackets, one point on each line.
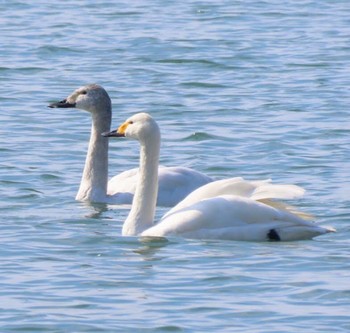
[288, 208]
[293, 233]
[271, 191]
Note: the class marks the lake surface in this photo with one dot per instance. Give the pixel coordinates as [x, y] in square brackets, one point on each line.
[258, 89]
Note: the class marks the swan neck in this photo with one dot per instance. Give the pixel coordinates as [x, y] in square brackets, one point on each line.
[142, 212]
[93, 186]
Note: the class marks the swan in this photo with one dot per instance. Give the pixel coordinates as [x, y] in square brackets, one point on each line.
[230, 209]
[174, 182]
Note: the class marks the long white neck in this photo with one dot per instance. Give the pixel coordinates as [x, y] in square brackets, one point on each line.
[93, 186]
[142, 212]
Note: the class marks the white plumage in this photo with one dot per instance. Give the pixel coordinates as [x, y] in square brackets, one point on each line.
[231, 209]
[174, 182]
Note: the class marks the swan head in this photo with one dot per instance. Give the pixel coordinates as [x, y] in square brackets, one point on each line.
[141, 127]
[92, 98]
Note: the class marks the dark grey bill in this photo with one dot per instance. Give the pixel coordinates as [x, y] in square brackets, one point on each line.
[62, 104]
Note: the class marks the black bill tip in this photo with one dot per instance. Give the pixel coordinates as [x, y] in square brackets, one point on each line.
[62, 104]
[111, 134]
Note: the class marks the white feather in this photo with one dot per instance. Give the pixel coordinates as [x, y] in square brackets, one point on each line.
[232, 209]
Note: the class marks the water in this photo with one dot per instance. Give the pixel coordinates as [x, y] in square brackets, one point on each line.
[240, 88]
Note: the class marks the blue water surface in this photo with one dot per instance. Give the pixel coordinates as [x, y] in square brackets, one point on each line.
[258, 89]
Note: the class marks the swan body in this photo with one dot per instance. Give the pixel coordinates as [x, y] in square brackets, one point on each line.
[231, 209]
[256, 190]
[174, 182]
[233, 217]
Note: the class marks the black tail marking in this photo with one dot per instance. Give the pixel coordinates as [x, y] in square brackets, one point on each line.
[273, 235]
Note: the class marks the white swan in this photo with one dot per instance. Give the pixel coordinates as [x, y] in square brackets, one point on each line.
[231, 209]
[174, 182]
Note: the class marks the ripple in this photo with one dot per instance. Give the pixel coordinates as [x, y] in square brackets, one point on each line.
[24, 70]
[199, 136]
[50, 49]
[49, 176]
[203, 85]
[192, 61]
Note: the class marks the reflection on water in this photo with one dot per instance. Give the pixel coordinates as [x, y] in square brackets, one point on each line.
[97, 209]
[151, 246]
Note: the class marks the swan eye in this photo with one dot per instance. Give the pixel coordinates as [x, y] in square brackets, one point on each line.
[131, 122]
[84, 92]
